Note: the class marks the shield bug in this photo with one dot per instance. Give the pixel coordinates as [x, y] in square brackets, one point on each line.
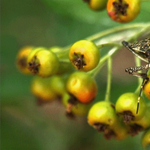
[140, 49]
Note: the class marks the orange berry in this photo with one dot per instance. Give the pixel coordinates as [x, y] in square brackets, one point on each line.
[147, 89]
[123, 10]
[82, 86]
[21, 63]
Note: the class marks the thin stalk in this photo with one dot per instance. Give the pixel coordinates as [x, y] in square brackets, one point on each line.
[108, 44]
[107, 94]
[138, 63]
[116, 29]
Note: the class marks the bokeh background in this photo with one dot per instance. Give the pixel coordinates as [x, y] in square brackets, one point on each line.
[25, 125]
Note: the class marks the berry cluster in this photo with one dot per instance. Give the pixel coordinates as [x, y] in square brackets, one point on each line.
[118, 10]
[68, 74]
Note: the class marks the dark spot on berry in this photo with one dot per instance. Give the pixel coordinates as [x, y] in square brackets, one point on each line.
[22, 62]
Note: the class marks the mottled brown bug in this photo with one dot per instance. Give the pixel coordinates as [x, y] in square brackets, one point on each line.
[140, 49]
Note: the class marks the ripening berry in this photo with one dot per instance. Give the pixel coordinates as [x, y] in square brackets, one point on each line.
[43, 62]
[84, 55]
[123, 10]
[96, 5]
[102, 112]
[126, 106]
[22, 59]
[82, 86]
[102, 116]
[147, 89]
[41, 89]
[146, 139]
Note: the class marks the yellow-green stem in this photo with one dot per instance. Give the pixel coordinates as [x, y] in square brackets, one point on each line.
[107, 94]
[116, 29]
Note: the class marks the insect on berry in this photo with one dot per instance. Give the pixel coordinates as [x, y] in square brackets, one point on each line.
[140, 49]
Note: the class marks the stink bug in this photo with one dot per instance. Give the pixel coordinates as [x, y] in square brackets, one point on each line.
[140, 49]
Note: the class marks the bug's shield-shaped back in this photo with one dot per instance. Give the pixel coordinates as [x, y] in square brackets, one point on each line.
[140, 49]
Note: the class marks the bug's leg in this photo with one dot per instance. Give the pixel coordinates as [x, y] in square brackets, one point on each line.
[145, 80]
[134, 71]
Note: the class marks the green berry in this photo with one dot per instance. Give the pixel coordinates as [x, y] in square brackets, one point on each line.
[43, 62]
[126, 105]
[102, 116]
[144, 122]
[102, 112]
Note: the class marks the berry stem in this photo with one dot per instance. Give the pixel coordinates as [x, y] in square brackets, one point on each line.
[116, 29]
[107, 95]
[138, 63]
[108, 44]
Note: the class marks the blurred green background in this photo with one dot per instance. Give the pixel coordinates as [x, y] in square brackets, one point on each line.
[25, 125]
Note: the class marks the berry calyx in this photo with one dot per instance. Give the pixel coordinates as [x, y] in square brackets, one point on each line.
[82, 86]
[84, 55]
[123, 10]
